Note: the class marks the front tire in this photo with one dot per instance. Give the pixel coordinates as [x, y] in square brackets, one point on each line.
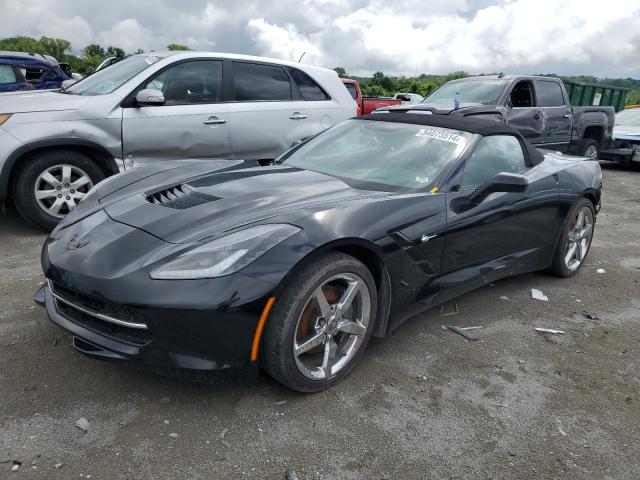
[321, 325]
[51, 185]
[577, 233]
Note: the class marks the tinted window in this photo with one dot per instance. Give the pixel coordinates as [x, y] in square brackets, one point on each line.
[190, 82]
[522, 95]
[254, 82]
[310, 90]
[352, 90]
[492, 155]
[7, 75]
[549, 94]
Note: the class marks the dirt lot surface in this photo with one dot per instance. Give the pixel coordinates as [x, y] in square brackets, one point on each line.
[424, 403]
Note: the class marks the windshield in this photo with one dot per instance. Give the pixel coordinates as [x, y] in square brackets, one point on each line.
[384, 155]
[485, 92]
[107, 80]
[629, 117]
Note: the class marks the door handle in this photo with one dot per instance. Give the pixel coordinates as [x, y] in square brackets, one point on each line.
[297, 116]
[537, 116]
[213, 120]
[567, 115]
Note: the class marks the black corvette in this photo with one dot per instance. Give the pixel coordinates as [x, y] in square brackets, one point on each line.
[206, 265]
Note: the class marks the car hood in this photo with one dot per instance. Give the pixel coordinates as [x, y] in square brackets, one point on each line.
[188, 205]
[626, 132]
[440, 108]
[40, 101]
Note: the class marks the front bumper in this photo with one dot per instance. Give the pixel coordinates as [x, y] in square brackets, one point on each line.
[213, 334]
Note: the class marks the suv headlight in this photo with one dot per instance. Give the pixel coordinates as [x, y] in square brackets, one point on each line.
[225, 255]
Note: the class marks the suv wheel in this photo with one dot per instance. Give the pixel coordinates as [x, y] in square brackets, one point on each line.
[51, 185]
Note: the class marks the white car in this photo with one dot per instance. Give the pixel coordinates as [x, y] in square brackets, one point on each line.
[54, 146]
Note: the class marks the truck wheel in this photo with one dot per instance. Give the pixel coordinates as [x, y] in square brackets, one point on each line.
[52, 184]
[589, 148]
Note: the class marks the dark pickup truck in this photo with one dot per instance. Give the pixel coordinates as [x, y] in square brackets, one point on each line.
[537, 106]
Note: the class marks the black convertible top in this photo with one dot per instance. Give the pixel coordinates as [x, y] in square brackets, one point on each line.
[481, 126]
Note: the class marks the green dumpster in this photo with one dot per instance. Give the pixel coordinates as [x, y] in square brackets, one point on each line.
[585, 94]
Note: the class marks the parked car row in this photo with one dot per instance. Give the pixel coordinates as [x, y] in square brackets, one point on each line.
[54, 146]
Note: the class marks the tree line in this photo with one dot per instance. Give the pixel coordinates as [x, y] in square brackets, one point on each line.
[59, 48]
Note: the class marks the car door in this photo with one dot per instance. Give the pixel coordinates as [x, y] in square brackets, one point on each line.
[506, 233]
[557, 114]
[522, 112]
[268, 113]
[192, 122]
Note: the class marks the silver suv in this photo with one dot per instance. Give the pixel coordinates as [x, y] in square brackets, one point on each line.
[54, 146]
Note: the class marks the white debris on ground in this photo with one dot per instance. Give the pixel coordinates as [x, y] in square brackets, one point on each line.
[504, 297]
[601, 270]
[83, 424]
[549, 330]
[538, 295]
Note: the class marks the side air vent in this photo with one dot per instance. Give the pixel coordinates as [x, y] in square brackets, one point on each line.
[180, 197]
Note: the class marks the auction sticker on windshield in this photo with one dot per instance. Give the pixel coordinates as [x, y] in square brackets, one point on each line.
[440, 135]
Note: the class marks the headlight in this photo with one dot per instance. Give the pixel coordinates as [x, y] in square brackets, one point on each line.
[4, 117]
[225, 255]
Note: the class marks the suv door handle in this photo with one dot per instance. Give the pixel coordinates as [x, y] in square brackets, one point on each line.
[537, 116]
[567, 115]
[297, 116]
[213, 120]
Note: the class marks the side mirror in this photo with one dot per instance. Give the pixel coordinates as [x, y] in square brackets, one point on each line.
[149, 97]
[67, 83]
[501, 182]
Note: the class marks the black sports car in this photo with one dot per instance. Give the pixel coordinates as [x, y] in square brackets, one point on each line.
[205, 265]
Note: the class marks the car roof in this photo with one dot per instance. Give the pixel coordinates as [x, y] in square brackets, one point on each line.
[478, 126]
[186, 54]
[30, 56]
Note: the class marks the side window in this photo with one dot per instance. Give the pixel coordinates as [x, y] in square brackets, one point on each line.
[522, 94]
[7, 75]
[549, 94]
[352, 90]
[257, 82]
[308, 87]
[492, 155]
[199, 81]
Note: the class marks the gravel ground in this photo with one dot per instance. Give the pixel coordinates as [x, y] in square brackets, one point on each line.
[424, 403]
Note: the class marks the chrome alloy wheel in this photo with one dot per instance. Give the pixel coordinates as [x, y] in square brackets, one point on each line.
[591, 152]
[60, 188]
[579, 238]
[332, 326]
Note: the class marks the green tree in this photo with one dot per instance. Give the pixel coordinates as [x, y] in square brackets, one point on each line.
[94, 50]
[22, 44]
[177, 46]
[56, 47]
[342, 73]
[115, 52]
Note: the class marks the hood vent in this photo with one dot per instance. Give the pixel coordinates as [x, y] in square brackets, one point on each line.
[180, 197]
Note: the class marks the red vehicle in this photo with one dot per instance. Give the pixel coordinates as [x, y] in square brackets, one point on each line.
[367, 104]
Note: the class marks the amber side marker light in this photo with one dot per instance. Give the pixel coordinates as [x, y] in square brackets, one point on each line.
[258, 335]
[4, 117]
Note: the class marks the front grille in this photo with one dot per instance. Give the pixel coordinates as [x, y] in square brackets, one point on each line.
[179, 197]
[86, 311]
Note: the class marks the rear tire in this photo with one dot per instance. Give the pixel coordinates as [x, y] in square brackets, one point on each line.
[575, 232]
[589, 148]
[40, 212]
[297, 319]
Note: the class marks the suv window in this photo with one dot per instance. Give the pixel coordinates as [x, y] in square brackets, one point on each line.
[33, 74]
[549, 94]
[198, 81]
[492, 155]
[352, 90]
[309, 89]
[7, 74]
[256, 82]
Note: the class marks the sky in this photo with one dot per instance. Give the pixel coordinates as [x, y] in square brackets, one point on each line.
[398, 37]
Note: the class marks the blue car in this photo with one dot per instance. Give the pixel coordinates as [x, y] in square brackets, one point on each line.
[29, 71]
